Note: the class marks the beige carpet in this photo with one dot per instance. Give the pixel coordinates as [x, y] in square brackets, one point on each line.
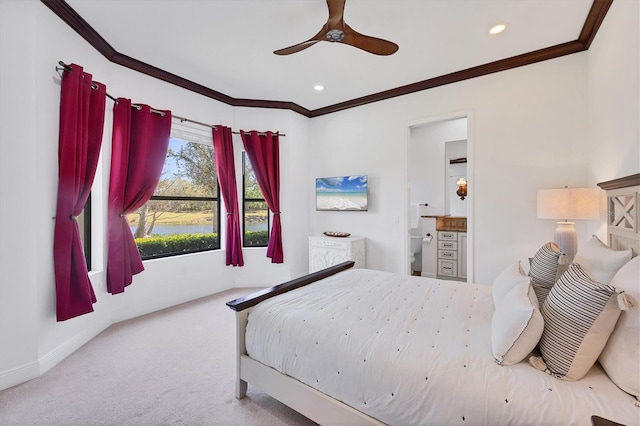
[175, 366]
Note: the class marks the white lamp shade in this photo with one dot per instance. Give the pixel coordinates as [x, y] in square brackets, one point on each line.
[569, 204]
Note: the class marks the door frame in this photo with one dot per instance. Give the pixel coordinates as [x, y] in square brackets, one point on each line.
[468, 114]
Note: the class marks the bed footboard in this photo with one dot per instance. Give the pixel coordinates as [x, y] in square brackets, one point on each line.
[242, 307]
[253, 299]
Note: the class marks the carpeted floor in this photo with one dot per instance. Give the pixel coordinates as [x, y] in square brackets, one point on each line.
[175, 366]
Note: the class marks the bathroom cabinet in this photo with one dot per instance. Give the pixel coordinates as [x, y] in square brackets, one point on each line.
[328, 251]
[452, 255]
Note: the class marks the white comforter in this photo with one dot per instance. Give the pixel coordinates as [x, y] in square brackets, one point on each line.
[410, 350]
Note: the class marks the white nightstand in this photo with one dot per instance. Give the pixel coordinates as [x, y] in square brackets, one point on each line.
[328, 251]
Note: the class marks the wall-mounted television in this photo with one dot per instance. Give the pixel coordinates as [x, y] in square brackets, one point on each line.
[342, 193]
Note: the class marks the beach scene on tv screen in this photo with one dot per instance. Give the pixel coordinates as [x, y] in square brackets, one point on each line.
[341, 193]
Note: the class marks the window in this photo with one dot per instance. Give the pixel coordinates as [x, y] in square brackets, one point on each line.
[183, 214]
[255, 212]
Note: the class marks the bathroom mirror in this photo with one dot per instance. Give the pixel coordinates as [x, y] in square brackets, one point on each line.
[455, 169]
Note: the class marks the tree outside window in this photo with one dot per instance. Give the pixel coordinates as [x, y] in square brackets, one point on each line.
[183, 214]
[255, 212]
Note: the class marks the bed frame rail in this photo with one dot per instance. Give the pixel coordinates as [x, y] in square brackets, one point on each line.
[253, 299]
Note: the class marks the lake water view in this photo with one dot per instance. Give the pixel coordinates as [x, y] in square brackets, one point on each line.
[197, 229]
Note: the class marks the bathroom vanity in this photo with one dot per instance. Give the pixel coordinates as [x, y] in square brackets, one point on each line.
[452, 247]
[444, 247]
[452, 255]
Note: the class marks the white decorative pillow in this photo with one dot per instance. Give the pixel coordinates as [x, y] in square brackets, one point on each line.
[543, 270]
[516, 325]
[509, 278]
[621, 356]
[599, 261]
[579, 316]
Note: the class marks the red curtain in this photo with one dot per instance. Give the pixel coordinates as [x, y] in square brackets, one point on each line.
[225, 168]
[263, 150]
[138, 149]
[81, 125]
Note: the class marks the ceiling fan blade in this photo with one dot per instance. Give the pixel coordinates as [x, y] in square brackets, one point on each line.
[305, 44]
[374, 45]
[336, 13]
[296, 47]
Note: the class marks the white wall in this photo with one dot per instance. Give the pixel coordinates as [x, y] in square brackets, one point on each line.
[427, 162]
[526, 131]
[614, 94]
[614, 99]
[31, 341]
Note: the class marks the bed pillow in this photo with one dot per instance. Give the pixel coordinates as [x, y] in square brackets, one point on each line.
[516, 325]
[621, 356]
[599, 261]
[509, 278]
[579, 316]
[543, 270]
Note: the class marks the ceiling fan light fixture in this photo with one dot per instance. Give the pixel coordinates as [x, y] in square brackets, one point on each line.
[318, 87]
[497, 29]
[335, 36]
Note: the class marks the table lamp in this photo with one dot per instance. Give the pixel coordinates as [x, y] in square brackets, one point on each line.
[568, 204]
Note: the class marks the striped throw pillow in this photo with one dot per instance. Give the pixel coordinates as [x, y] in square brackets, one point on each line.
[579, 316]
[543, 270]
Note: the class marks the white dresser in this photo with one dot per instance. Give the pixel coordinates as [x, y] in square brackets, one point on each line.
[328, 251]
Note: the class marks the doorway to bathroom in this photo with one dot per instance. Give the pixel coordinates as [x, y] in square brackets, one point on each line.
[440, 196]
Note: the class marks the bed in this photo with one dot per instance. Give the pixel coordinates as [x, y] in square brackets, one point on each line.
[356, 346]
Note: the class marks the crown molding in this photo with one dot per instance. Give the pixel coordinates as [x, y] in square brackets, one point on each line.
[592, 23]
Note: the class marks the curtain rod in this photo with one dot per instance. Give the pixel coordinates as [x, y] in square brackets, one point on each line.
[65, 67]
[183, 119]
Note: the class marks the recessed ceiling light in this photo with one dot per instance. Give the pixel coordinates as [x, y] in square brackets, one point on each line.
[497, 29]
[318, 87]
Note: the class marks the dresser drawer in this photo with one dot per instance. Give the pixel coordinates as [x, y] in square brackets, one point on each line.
[447, 268]
[328, 251]
[447, 235]
[447, 254]
[448, 245]
[330, 243]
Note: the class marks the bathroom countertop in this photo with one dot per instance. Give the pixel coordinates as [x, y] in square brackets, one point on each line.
[451, 224]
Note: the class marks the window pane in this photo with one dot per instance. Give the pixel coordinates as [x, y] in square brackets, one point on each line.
[170, 227]
[255, 210]
[251, 188]
[189, 170]
[256, 224]
[184, 218]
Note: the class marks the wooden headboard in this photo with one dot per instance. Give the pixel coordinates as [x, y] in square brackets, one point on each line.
[623, 221]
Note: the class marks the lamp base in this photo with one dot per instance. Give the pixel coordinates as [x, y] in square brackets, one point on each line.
[566, 237]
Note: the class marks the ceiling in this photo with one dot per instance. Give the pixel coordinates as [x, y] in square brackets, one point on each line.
[225, 47]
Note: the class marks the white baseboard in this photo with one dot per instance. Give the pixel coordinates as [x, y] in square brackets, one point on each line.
[45, 362]
[29, 371]
[53, 358]
[17, 375]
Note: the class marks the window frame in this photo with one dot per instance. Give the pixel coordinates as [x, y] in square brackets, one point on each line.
[245, 158]
[217, 230]
[190, 135]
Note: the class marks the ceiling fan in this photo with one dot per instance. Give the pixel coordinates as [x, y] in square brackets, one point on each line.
[337, 31]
